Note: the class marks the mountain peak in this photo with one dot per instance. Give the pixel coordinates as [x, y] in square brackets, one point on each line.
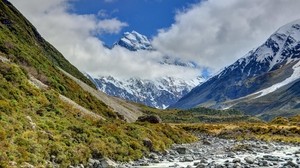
[134, 41]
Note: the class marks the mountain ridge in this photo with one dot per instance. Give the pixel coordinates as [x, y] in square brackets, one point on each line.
[259, 69]
[159, 92]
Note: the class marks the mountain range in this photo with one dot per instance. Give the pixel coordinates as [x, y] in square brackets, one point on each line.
[264, 82]
[159, 92]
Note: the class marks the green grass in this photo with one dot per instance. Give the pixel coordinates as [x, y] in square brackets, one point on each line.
[200, 114]
[280, 129]
[36, 126]
[21, 43]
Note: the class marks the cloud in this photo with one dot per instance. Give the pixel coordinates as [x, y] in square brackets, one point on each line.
[111, 26]
[215, 33]
[74, 35]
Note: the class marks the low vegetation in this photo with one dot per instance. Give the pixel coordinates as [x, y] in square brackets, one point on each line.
[280, 129]
[200, 114]
[37, 127]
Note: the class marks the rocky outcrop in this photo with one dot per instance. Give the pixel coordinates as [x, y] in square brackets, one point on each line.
[154, 119]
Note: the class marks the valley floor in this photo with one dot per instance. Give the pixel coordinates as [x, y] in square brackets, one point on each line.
[216, 152]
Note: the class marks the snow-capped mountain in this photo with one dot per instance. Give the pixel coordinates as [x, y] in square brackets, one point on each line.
[265, 70]
[159, 93]
[134, 41]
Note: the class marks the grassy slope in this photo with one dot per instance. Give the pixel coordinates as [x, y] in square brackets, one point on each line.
[36, 126]
[20, 42]
[280, 129]
[201, 114]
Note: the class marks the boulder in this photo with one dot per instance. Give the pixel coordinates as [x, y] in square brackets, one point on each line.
[249, 159]
[148, 143]
[154, 119]
[182, 150]
[107, 163]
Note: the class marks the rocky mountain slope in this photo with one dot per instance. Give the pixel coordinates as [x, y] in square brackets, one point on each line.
[134, 41]
[51, 115]
[159, 92]
[247, 84]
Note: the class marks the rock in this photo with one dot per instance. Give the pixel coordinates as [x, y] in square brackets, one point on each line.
[249, 159]
[153, 156]
[144, 164]
[200, 166]
[237, 165]
[189, 166]
[154, 119]
[206, 142]
[107, 163]
[270, 158]
[263, 163]
[203, 161]
[172, 152]
[231, 155]
[148, 143]
[188, 159]
[155, 161]
[236, 160]
[291, 164]
[182, 150]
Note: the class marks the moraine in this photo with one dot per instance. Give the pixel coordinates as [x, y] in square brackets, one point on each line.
[215, 152]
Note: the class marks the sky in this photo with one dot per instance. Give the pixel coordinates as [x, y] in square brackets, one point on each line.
[212, 33]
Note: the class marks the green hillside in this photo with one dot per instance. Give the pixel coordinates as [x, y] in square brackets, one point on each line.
[42, 126]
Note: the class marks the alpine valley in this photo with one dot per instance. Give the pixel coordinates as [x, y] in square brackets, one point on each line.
[265, 82]
[159, 92]
[53, 115]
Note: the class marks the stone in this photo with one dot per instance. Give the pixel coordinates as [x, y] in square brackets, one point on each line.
[236, 160]
[203, 161]
[231, 155]
[154, 119]
[107, 163]
[153, 156]
[181, 150]
[148, 143]
[291, 164]
[188, 159]
[249, 159]
[263, 163]
[206, 142]
[200, 166]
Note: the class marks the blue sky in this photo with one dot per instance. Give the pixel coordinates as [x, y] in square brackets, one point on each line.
[143, 16]
[211, 33]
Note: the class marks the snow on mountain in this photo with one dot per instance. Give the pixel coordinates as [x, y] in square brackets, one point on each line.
[159, 93]
[272, 66]
[134, 41]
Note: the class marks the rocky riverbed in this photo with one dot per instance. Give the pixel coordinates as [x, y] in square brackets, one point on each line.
[213, 152]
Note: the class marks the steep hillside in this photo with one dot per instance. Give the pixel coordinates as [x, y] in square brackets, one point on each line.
[270, 67]
[49, 118]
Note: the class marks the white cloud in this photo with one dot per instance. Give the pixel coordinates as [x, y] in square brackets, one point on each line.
[74, 36]
[213, 33]
[217, 32]
[111, 26]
